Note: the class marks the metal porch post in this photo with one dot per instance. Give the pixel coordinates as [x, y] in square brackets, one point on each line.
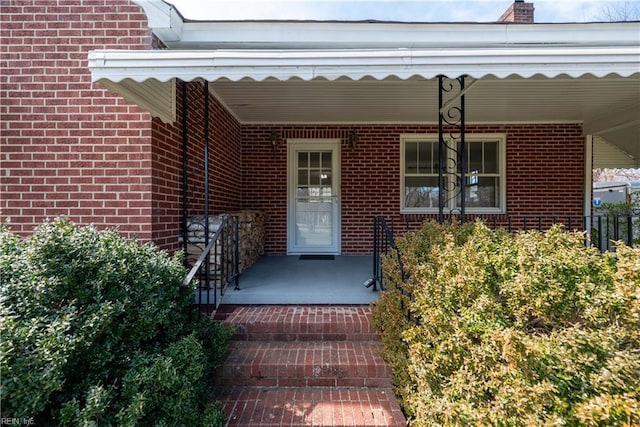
[185, 174]
[452, 152]
[206, 187]
[441, 150]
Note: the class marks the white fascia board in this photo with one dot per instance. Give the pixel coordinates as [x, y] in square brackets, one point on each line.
[163, 65]
[164, 20]
[367, 35]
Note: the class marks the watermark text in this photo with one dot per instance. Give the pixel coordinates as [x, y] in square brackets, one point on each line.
[24, 421]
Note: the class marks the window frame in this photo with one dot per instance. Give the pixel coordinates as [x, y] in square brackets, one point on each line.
[500, 138]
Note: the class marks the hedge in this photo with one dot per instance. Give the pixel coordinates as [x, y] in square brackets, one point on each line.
[526, 329]
[97, 330]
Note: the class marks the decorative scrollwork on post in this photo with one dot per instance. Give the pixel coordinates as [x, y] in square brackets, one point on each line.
[451, 146]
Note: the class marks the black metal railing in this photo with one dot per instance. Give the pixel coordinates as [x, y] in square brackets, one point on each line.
[601, 231]
[606, 230]
[217, 266]
[383, 243]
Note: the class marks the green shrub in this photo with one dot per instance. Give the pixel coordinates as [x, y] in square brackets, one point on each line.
[526, 329]
[85, 315]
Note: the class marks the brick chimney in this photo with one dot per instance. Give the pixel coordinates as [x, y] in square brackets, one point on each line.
[518, 13]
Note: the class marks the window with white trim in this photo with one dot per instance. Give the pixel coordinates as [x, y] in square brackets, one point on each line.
[485, 174]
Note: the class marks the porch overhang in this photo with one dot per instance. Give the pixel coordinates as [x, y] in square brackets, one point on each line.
[357, 64]
[339, 72]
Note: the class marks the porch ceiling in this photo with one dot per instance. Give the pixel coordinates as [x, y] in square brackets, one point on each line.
[608, 107]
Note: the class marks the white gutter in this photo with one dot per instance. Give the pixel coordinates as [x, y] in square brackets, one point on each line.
[367, 35]
[164, 65]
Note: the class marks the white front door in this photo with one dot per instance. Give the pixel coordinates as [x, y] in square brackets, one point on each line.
[314, 196]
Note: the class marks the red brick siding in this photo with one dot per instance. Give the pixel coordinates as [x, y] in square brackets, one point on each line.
[166, 187]
[224, 165]
[264, 183]
[69, 147]
[545, 167]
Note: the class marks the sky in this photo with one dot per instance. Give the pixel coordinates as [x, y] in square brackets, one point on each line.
[403, 10]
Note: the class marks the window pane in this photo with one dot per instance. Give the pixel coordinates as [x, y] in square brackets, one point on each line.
[303, 160]
[491, 157]
[475, 157]
[421, 192]
[314, 178]
[425, 160]
[325, 178]
[314, 159]
[303, 177]
[411, 157]
[326, 160]
[436, 158]
[486, 194]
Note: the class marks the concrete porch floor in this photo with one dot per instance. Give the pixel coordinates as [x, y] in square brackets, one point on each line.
[290, 280]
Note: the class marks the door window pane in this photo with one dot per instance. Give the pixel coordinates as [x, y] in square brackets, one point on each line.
[326, 160]
[314, 160]
[303, 159]
[303, 177]
[314, 223]
[314, 178]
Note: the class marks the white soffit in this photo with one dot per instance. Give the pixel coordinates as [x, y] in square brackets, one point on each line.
[156, 97]
[606, 155]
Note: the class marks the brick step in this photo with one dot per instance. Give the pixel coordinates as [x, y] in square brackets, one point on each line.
[309, 406]
[305, 364]
[300, 323]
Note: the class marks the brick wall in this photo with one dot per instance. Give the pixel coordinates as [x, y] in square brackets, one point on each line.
[166, 184]
[69, 147]
[545, 166]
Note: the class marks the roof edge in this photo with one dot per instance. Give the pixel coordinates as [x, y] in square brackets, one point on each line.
[176, 32]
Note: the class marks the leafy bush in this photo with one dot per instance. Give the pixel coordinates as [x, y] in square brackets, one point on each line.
[96, 329]
[526, 329]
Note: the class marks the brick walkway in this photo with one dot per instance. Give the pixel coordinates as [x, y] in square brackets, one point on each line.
[305, 366]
